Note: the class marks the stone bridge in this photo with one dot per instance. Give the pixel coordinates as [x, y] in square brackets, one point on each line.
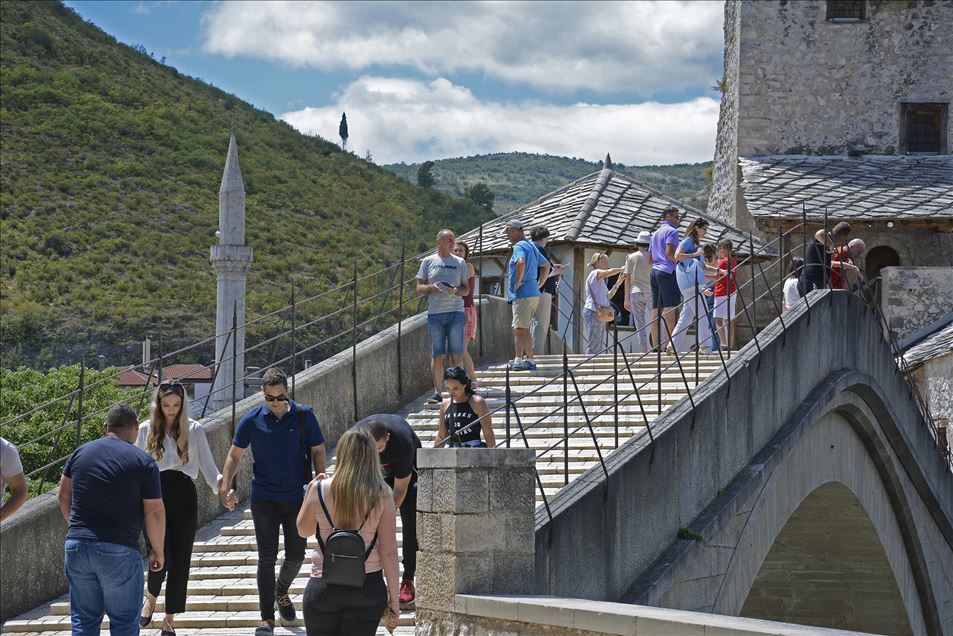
[804, 487]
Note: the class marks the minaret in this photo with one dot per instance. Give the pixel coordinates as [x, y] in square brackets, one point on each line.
[231, 260]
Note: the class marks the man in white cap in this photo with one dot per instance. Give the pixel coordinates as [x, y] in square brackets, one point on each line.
[638, 266]
[527, 267]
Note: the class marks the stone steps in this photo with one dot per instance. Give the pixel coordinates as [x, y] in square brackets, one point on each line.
[222, 589]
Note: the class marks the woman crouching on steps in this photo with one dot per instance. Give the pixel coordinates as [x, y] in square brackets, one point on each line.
[459, 413]
[181, 450]
[356, 523]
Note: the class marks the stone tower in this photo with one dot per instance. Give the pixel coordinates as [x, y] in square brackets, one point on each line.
[830, 79]
[231, 259]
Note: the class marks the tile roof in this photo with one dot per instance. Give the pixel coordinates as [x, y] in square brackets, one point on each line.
[186, 373]
[604, 208]
[934, 346]
[871, 187]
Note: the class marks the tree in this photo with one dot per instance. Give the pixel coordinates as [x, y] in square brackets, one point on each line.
[425, 178]
[25, 388]
[368, 157]
[481, 194]
[342, 131]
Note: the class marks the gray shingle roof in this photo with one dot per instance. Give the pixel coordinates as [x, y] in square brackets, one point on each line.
[872, 187]
[606, 209]
[933, 346]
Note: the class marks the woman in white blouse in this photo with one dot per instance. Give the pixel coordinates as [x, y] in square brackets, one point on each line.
[181, 450]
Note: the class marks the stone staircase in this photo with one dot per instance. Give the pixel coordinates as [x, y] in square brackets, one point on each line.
[222, 590]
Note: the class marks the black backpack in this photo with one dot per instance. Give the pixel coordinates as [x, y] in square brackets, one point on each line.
[344, 553]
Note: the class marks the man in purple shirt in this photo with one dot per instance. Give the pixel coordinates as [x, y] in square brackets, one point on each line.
[666, 296]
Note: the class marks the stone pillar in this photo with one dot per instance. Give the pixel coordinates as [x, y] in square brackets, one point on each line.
[476, 527]
[231, 260]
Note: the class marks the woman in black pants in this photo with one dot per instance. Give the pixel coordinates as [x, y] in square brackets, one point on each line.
[355, 498]
[181, 450]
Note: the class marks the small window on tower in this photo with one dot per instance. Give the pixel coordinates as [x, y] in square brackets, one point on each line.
[846, 10]
[923, 129]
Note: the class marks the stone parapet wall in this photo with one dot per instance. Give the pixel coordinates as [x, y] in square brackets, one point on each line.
[476, 528]
[913, 297]
[31, 542]
[549, 616]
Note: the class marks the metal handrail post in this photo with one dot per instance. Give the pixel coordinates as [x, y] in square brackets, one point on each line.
[400, 318]
[565, 417]
[79, 403]
[508, 395]
[658, 353]
[615, 381]
[234, 363]
[698, 339]
[354, 340]
[159, 368]
[754, 291]
[480, 306]
[294, 342]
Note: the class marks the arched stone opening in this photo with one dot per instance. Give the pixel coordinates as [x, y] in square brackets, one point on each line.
[828, 568]
[878, 258]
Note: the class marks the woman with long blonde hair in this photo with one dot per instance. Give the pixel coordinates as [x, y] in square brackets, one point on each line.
[355, 498]
[181, 450]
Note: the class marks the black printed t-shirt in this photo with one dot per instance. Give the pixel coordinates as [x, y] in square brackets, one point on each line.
[399, 459]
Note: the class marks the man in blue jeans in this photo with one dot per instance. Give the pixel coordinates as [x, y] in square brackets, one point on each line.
[444, 279]
[108, 489]
[285, 438]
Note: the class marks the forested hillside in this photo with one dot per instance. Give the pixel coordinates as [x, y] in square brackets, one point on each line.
[517, 178]
[111, 163]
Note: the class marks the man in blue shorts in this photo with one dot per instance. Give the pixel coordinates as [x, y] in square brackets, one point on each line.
[666, 296]
[444, 279]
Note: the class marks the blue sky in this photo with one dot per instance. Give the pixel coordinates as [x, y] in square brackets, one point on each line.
[428, 80]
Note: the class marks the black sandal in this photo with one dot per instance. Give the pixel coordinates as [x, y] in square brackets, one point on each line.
[145, 620]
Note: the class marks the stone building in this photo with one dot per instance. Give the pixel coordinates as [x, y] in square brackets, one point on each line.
[840, 107]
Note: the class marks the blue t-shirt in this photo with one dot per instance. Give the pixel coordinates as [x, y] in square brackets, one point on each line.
[278, 472]
[534, 260]
[110, 478]
[690, 270]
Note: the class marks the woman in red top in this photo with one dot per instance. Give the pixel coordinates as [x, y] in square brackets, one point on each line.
[462, 250]
[725, 295]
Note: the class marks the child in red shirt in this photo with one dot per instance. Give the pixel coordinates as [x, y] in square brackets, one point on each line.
[725, 295]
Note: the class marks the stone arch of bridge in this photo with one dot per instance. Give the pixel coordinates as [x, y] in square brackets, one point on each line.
[839, 452]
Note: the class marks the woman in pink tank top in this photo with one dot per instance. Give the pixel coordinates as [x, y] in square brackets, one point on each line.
[356, 498]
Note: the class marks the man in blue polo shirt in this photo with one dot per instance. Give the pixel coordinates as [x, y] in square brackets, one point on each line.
[285, 438]
[527, 267]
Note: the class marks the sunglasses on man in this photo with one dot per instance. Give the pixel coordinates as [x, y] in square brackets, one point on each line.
[276, 398]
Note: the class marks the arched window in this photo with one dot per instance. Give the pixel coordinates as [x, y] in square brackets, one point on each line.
[878, 258]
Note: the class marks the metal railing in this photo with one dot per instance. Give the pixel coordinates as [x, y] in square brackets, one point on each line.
[626, 367]
[310, 328]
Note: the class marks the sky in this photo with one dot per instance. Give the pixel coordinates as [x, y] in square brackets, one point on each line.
[428, 80]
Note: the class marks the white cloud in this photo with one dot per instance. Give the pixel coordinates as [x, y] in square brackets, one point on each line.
[635, 47]
[408, 120]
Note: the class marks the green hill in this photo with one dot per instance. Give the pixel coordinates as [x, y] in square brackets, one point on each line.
[518, 178]
[111, 164]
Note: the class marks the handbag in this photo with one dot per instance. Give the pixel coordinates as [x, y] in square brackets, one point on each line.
[604, 313]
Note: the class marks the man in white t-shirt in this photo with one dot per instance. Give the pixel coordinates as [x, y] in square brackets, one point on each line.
[638, 298]
[445, 279]
[11, 475]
